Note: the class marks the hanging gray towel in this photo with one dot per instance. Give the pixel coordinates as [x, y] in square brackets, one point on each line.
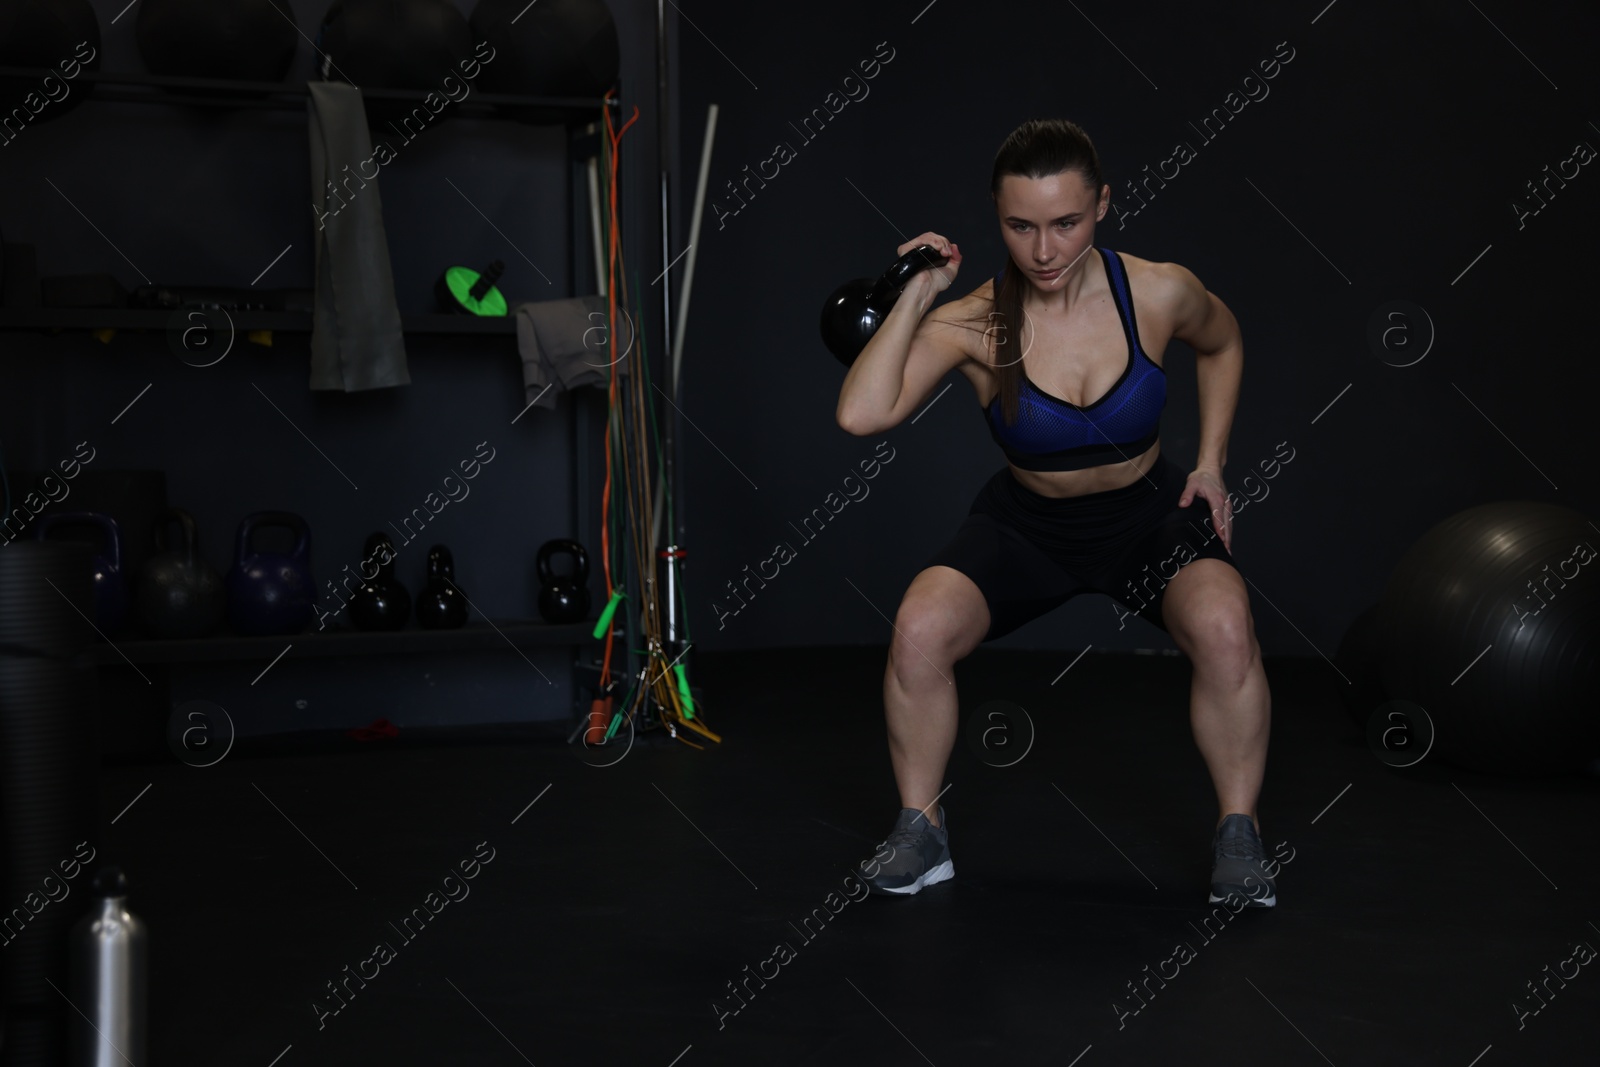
[357, 341]
[565, 344]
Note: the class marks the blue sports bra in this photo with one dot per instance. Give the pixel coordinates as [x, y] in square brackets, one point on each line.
[1052, 435]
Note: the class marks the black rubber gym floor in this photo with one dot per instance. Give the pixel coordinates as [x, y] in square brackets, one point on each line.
[1425, 916]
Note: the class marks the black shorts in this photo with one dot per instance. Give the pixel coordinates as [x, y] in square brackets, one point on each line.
[1029, 554]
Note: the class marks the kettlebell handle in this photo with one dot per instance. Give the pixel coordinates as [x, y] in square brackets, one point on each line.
[191, 533]
[376, 541]
[259, 519]
[560, 546]
[441, 564]
[913, 262]
[92, 518]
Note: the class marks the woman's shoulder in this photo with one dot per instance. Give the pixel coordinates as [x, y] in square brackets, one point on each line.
[1158, 282]
[1167, 295]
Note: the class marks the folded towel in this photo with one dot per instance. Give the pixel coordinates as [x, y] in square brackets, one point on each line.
[357, 341]
[565, 344]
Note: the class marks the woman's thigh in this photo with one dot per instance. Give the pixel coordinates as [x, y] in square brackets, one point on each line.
[1016, 581]
[1174, 538]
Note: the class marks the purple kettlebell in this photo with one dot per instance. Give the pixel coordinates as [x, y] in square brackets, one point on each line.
[110, 587]
[271, 592]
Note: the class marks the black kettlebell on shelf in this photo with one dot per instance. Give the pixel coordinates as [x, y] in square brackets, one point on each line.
[442, 605]
[381, 602]
[271, 592]
[563, 597]
[855, 310]
[111, 598]
[179, 595]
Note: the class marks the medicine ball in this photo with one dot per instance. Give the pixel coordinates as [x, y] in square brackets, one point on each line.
[396, 44]
[555, 48]
[59, 35]
[246, 40]
[1491, 622]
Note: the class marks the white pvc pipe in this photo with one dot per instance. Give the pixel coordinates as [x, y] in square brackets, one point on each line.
[601, 267]
[694, 240]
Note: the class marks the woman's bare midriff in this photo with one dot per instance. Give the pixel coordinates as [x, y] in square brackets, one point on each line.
[1090, 479]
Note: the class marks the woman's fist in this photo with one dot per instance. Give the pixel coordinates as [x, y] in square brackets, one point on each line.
[942, 277]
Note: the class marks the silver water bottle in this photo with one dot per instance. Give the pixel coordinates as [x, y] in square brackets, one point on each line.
[106, 979]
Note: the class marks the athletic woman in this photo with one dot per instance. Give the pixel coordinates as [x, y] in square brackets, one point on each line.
[1064, 349]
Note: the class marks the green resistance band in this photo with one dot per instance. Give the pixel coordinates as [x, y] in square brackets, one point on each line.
[603, 623]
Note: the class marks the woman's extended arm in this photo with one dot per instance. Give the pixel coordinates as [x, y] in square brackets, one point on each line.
[1204, 323]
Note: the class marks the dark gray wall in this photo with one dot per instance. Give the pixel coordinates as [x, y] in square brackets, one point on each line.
[1385, 159]
[1378, 164]
[183, 195]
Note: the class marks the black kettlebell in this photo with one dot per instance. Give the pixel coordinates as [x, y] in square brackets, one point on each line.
[381, 602]
[179, 595]
[110, 586]
[855, 310]
[563, 597]
[442, 605]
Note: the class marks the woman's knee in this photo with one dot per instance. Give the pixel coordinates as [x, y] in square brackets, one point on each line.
[941, 619]
[1218, 633]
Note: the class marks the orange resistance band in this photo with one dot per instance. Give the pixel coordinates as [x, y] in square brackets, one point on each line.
[615, 137]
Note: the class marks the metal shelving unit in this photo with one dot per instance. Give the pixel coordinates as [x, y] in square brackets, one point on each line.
[503, 633]
[59, 319]
[577, 115]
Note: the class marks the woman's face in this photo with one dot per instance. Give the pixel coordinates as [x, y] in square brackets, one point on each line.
[1048, 223]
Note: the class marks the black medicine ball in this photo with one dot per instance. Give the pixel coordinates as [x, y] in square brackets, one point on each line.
[246, 40]
[553, 48]
[60, 35]
[396, 44]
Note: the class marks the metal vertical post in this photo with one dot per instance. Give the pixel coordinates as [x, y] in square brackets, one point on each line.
[670, 417]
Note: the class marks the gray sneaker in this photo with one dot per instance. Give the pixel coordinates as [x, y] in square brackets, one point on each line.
[1239, 864]
[914, 855]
